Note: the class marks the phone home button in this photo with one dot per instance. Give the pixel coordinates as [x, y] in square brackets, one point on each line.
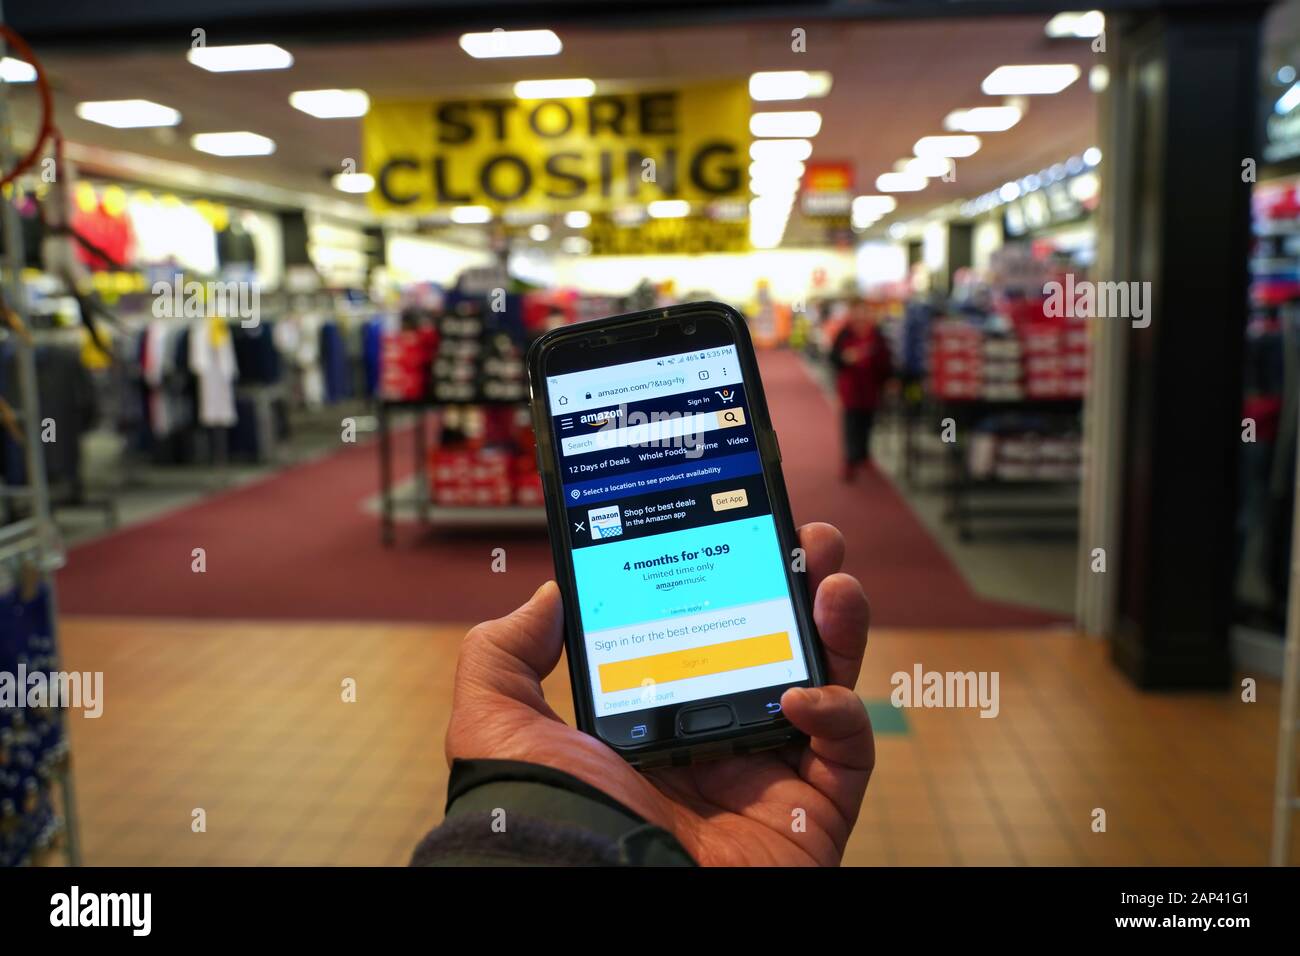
[703, 719]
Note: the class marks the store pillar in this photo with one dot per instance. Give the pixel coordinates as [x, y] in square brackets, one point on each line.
[1164, 425]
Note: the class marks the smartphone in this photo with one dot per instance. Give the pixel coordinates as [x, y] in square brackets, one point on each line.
[686, 605]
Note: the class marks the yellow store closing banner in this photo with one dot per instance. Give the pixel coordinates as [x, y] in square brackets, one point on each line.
[560, 154]
[689, 235]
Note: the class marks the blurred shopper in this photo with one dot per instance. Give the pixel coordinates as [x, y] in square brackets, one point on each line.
[860, 356]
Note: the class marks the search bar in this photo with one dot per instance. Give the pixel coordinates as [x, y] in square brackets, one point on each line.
[653, 433]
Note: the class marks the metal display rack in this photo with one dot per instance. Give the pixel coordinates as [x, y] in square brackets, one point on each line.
[513, 515]
[969, 500]
[964, 488]
[33, 538]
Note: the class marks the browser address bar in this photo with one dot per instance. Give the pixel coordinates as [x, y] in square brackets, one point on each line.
[653, 433]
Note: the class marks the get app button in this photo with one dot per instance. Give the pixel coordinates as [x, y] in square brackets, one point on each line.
[726, 500]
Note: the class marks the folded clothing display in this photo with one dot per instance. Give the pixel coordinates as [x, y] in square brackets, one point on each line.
[33, 745]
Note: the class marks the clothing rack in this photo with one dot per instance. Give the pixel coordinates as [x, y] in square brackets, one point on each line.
[35, 536]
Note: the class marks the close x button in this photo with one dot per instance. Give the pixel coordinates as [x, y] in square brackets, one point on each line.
[703, 719]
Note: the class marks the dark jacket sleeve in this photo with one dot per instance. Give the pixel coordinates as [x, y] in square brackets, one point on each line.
[511, 813]
[837, 349]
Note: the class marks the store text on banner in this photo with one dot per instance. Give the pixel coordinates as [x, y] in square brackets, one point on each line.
[559, 154]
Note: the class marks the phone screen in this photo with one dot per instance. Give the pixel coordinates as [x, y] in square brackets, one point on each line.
[682, 584]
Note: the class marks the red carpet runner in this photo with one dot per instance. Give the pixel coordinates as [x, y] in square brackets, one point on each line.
[298, 546]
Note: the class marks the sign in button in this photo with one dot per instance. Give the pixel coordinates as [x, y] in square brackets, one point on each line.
[695, 662]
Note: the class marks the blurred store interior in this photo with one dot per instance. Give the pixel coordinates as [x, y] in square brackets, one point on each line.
[278, 272]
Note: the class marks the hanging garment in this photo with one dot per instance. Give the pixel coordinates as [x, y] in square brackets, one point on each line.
[334, 362]
[255, 354]
[212, 360]
[372, 334]
[66, 405]
[154, 362]
[298, 338]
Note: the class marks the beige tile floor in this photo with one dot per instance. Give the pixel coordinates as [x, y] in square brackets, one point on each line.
[246, 721]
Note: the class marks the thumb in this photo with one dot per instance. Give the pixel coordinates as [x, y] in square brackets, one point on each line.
[524, 644]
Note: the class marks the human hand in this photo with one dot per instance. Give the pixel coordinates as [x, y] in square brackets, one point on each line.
[734, 811]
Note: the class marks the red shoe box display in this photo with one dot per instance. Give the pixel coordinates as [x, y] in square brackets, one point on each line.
[404, 361]
[469, 477]
[956, 360]
[1025, 456]
[1056, 359]
[476, 477]
[1043, 360]
[527, 483]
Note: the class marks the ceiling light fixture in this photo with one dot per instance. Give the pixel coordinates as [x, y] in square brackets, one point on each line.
[238, 59]
[1082, 25]
[789, 85]
[780, 150]
[768, 216]
[874, 205]
[353, 182]
[900, 182]
[16, 71]
[773, 186]
[577, 219]
[554, 89]
[952, 147]
[502, 43]
[1287, 101]
[539, 232]
[240, 143]
[331, 104]
[1030, 80]
[867, 210]
[128, 114]
[982, 119]
[932, 167]
[800, 123]
[786, 169]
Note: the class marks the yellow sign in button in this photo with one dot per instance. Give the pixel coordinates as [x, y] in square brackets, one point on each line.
[696, 662]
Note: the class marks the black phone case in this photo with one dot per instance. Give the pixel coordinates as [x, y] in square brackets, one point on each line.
[734, 740]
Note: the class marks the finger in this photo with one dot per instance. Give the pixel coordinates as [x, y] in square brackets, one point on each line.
[518, 650]
[842, 616]
[841, 750]
[823, 548]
